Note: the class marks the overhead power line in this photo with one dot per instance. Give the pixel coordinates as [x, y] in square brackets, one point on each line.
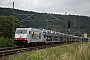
[57, 18]
[26, 18]
[8, 2]
[17, 5]
[23, 14]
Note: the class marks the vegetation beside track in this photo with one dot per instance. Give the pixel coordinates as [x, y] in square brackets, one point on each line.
[6, 42]
[74, 51]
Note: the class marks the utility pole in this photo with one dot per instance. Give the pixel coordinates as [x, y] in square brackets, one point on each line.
[74, 26]
[69, 23]
[13, 22]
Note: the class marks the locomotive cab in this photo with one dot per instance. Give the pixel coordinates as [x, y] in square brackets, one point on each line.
[22, 36]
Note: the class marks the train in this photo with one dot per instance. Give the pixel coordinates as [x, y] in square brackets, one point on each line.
[34, 36]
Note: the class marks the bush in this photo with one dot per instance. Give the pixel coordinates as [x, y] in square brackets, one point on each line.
[5, 42]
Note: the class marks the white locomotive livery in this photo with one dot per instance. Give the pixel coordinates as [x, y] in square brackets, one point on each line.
[25, 36]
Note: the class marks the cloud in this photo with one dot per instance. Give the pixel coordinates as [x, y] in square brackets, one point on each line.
[80, 7]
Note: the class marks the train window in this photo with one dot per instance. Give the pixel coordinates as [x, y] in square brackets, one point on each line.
[39, 35]
[21, 31]
[36, 35]
[29, 32]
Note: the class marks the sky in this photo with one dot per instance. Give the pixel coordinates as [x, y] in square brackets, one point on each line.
[73, 7]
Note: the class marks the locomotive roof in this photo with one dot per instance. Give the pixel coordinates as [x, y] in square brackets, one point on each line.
[24, 28]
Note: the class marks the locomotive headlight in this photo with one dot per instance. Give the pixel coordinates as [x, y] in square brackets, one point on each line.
[15, 38]
[25, 38]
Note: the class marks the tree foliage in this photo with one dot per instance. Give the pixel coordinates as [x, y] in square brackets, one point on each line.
[6, 25]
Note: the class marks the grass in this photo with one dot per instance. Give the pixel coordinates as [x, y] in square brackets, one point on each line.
[74, 51]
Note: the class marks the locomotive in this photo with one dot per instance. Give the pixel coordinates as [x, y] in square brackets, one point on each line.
[24, 36]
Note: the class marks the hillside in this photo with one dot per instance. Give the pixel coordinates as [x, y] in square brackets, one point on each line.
[52, 21]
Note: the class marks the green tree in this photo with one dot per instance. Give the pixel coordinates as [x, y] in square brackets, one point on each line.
[6, 25]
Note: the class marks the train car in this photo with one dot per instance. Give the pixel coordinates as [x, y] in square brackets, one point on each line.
[33, 36]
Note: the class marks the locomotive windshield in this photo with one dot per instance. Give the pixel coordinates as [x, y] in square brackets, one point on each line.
[21, 31]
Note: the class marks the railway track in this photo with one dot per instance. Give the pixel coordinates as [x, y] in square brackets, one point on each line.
[10, 51]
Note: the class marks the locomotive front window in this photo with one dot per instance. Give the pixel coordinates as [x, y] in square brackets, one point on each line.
[21, 31]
